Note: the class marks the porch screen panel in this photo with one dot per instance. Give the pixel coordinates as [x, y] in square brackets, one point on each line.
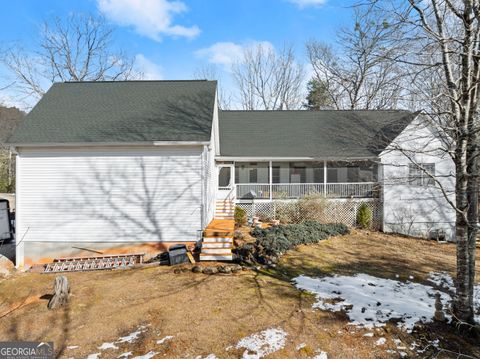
[297, 172]
[351, 172]
[251, 172]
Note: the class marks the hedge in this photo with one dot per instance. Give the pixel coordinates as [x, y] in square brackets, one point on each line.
[271, 243]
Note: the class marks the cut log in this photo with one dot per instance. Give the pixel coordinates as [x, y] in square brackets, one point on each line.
[61, 293]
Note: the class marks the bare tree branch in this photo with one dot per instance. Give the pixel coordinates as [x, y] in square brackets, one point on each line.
[269, 80]
[75, 49]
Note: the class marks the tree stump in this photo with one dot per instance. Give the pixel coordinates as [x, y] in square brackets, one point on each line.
[62, 291]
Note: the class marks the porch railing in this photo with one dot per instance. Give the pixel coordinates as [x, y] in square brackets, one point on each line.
[299, 190]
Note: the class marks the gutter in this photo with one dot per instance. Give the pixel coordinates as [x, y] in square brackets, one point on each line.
[102, 144]
[266, 158]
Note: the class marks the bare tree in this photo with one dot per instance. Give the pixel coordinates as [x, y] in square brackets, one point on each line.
[359, 73]
[440, 47]
[269, 80]
[74, 49]
[211, 72]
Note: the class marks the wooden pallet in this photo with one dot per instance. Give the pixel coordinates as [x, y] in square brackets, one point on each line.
[81, 264]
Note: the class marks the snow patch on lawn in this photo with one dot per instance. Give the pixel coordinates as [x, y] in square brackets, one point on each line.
[370, 301]
[149, 355]
[163, 340]
[105, 346]
[322, 355]
[261, 344]
[381, 341]
[300, 346]
[71, 347]
[93, 356]
[125, 355]
[132, 337]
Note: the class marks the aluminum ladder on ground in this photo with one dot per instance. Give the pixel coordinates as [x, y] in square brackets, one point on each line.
[78, 264]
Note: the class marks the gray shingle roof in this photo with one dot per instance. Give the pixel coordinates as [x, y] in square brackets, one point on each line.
[123, 111]
[318, 134]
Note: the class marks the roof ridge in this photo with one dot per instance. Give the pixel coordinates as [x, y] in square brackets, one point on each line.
[119, 81]
[329, 110]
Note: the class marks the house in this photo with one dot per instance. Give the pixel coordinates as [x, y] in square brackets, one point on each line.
[136, 166]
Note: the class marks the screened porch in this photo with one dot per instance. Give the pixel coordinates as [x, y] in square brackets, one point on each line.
[289, 180]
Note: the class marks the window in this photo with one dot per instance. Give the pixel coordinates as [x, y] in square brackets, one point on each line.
[417, 175]
[224, 177]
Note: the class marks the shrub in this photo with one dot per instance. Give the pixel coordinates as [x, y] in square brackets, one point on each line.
[287, 212]
[272, 242]
[240, 216]
[312, 207]
[364, 216]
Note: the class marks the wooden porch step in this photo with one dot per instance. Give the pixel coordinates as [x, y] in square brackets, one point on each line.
[217, 233]
[221, 251]
[210, 245]
[217, 239]
[216, 257]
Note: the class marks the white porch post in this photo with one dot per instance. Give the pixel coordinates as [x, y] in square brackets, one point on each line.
[270, 179]
[324, 178]
[234, 186]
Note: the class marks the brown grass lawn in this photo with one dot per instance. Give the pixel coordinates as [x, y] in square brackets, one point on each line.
[207, 314]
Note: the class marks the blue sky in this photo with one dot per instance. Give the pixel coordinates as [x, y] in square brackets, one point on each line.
[170, 39]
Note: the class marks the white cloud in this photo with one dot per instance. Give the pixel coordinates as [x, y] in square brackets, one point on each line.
[150, 70]
[221, 53]
[306, 3]
[151, 18]
[226, 53]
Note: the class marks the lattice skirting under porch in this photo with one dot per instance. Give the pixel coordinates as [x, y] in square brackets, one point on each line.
[336, 211]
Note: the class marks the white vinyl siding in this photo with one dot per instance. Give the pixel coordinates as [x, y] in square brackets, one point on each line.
[413, 203]
[109, 195]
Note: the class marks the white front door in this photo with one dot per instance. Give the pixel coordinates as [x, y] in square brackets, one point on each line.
[226, 182]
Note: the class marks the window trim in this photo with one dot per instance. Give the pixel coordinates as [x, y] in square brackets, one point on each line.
[418, 177]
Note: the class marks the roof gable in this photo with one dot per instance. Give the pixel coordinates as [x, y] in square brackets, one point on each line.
[313, 134]
[123, 111]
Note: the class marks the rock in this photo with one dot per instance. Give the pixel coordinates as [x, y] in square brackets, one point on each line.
[185, 269]
[197, 269]
[236, 268]
[238, 235]
[177, 271]
[224, 269]
[210, 270]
